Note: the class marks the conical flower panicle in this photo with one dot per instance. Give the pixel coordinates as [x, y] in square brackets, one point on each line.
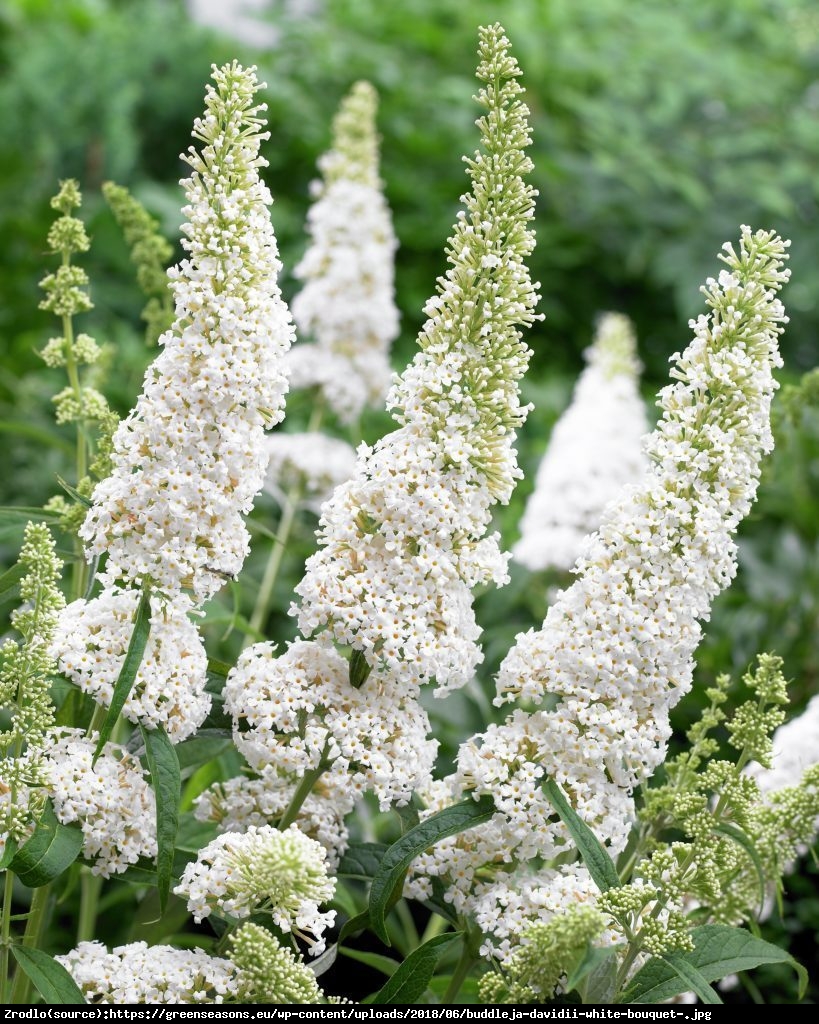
[190, 458]
[404, 540]
[594, 450]
[347, 302]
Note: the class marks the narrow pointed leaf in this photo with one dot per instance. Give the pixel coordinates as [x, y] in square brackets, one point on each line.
[51, 979]
[11, 577]
[130, 667]
[354, 925]
[321, 964]
[51, 848]
[719, 950]
[400, 855]
[411, 979]
[595, 856]
[692, 980]
[740, 837]
[24, 513]
[74, 493]
[9, 851]
[163, 765]
[377, 961]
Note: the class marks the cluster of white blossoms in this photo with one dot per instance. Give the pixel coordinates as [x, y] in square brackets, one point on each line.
[615, 652]
[299, 710]
[403, 542]
[281, 873]
[90, 644]
[263, 797]
[111, 799]
[137, 973]
[191, 457]
[312, 462]
[347, 301]
[594, 450]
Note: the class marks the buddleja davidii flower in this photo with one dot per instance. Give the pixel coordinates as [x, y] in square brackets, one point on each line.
[615, 652]
[404, 541]
[137, 973]
[347, 301]
[299, 712]
[595, 449]
[190, 458]
[281, 873]
[25, 671]
[90, 643]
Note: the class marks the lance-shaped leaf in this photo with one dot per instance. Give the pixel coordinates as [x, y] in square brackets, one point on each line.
[595, 856]
[163, 765]
[400, 855]
[51, 979]
[130, 667]
[410, 981]
[719, 950]
[51, 848]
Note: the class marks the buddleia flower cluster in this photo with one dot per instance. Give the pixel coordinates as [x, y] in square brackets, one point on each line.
[594, 450]
[347, 300]
[281, 873]
[403, 542]
[259, 970]
[190, 458]
[25, 669]
[615, 652]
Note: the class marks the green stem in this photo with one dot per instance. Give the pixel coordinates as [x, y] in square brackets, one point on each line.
[5, 939]
[79, 569]
[303, 790]
[100, 711]
[274, 560]
[459, 977]
[31, 940]
[90, 888]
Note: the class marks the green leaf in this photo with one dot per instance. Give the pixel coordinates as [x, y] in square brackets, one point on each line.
[72, 492]
[354, 925]
[321, 964]
[740, 837]
[24, 513]
[205, 746]
[11, 577]
[359, 669]
[400, 855]
[595, 856]
[692, 980]
[377, 961]
[51, 979]
[48, 852]
[362, 860]
[719, 950]
[9, 851]
[411, 979]
[130, 667]
[163, 765]
[192, 835]
[594, 974]
[220, 669]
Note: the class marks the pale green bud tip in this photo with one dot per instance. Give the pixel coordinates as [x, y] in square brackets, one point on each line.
[354, 152]
[614, 349]
[68, 198]
[269, 973]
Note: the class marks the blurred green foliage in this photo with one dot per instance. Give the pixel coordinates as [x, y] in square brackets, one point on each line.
[658, 128]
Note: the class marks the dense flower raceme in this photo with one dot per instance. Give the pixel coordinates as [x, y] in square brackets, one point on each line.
[111, 799]
[404, 540]
[138, 973]
[795, 748]
[615, 652]
[283, 874]
[90, 643]
[25, 671]
[299, 710]
[347, 301]
[595, 448]
[190, 458]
